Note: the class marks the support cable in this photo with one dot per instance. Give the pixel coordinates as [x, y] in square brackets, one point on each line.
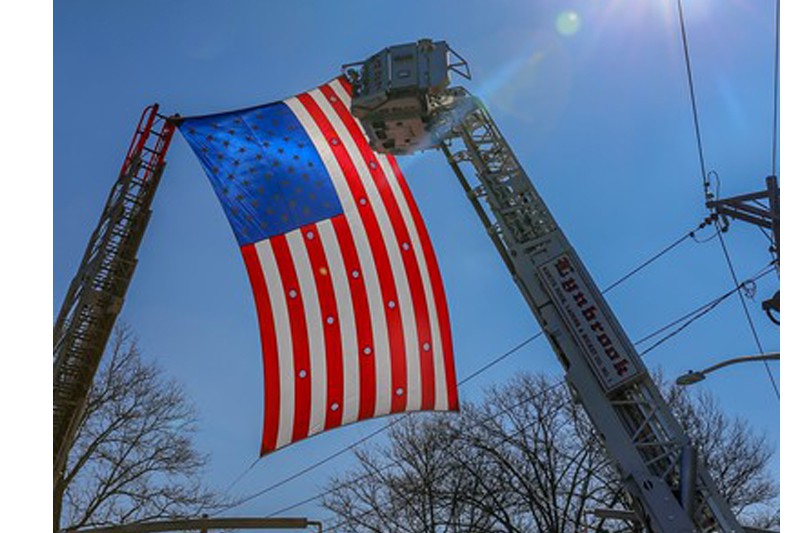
[468, 378]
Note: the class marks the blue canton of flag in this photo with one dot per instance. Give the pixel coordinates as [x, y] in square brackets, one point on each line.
[264, 169]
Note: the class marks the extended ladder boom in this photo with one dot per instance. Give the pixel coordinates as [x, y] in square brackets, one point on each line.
[401, 98]
[95, 296]
[673, 492]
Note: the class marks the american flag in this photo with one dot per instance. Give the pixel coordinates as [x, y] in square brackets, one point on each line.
[350, 301]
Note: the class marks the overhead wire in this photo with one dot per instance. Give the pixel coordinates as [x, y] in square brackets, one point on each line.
[468, 378]
[651, 260]
[711, 303]
[696, 314]
[775, 87]
[706, 239]
[687, 319]
[397, 461]
[746, 310]
[592, 472]
[772, 247]
[461, 382]
[695, 118]
[706, 182]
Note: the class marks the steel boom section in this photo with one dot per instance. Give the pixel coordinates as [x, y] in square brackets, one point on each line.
[602, 365]
[96, 293]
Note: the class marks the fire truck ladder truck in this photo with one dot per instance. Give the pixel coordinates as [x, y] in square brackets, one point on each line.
[402, 98]
[95, 296]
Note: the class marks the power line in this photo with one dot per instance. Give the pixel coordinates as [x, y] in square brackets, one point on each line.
[689, 318]
[706, 183]
[496, 360]
[652, 259]
[468, 378]
[688, 64]
[697, 313]
[518, 431]
[747, 314]
[775, 85]
[397, 461]
[240, 476]
[711, 303]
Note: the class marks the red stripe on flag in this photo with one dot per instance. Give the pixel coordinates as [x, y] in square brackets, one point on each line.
[346, 84]
[358, 294]
[437, 286]
[330, 325]
[269, 349]
[422, 320]
[378, 247]
[297, 320]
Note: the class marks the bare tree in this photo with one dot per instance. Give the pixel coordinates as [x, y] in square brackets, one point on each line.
[526, 458]
[544, 448]
[416, 483]
[523, 460]
[133, 459]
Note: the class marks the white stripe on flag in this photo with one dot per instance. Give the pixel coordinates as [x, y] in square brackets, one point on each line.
[283, 336]
[314, 329]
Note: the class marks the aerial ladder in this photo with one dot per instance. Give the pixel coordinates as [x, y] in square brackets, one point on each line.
[97, 292]
[403, 99]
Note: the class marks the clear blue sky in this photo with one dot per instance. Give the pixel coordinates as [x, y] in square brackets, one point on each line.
[598, 114]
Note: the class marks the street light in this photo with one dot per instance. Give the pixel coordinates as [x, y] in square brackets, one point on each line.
[691, 377]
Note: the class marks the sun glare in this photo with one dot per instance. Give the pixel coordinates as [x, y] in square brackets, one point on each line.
[568, 23]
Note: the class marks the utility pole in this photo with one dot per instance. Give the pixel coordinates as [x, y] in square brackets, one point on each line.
[761, 209]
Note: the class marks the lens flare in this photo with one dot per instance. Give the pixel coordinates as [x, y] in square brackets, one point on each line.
[568, 23]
